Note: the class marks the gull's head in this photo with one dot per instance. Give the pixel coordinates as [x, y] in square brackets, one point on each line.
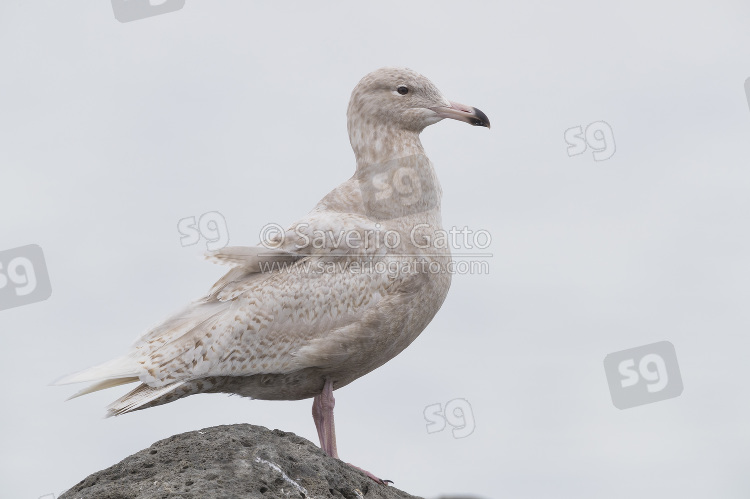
[399, 102]
[403, 98]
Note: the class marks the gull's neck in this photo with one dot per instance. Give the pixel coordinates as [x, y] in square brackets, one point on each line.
[374, 144]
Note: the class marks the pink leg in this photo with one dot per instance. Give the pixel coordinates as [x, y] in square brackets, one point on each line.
[317, 413]
[322, 412]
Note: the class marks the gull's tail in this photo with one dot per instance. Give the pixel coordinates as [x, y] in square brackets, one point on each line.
[120, 371]
[144, 396]
[116, 372]
[133, 367]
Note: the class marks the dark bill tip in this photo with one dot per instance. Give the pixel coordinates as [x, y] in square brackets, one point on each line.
[479, 118]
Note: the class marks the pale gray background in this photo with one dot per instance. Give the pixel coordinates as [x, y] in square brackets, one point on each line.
[110, 133]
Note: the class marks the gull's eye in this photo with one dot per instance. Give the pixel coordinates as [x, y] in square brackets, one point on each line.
[402, 90]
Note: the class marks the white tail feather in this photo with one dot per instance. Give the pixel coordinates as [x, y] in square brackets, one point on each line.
[123, 367]
[103, 385]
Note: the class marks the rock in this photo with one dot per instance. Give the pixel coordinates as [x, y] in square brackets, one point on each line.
[228, 462]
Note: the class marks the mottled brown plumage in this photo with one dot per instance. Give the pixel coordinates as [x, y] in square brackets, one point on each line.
[311, 308]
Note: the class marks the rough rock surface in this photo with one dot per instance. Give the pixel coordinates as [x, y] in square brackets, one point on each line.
[231, 462]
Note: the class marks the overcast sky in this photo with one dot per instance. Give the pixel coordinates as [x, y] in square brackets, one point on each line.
[111, 133]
